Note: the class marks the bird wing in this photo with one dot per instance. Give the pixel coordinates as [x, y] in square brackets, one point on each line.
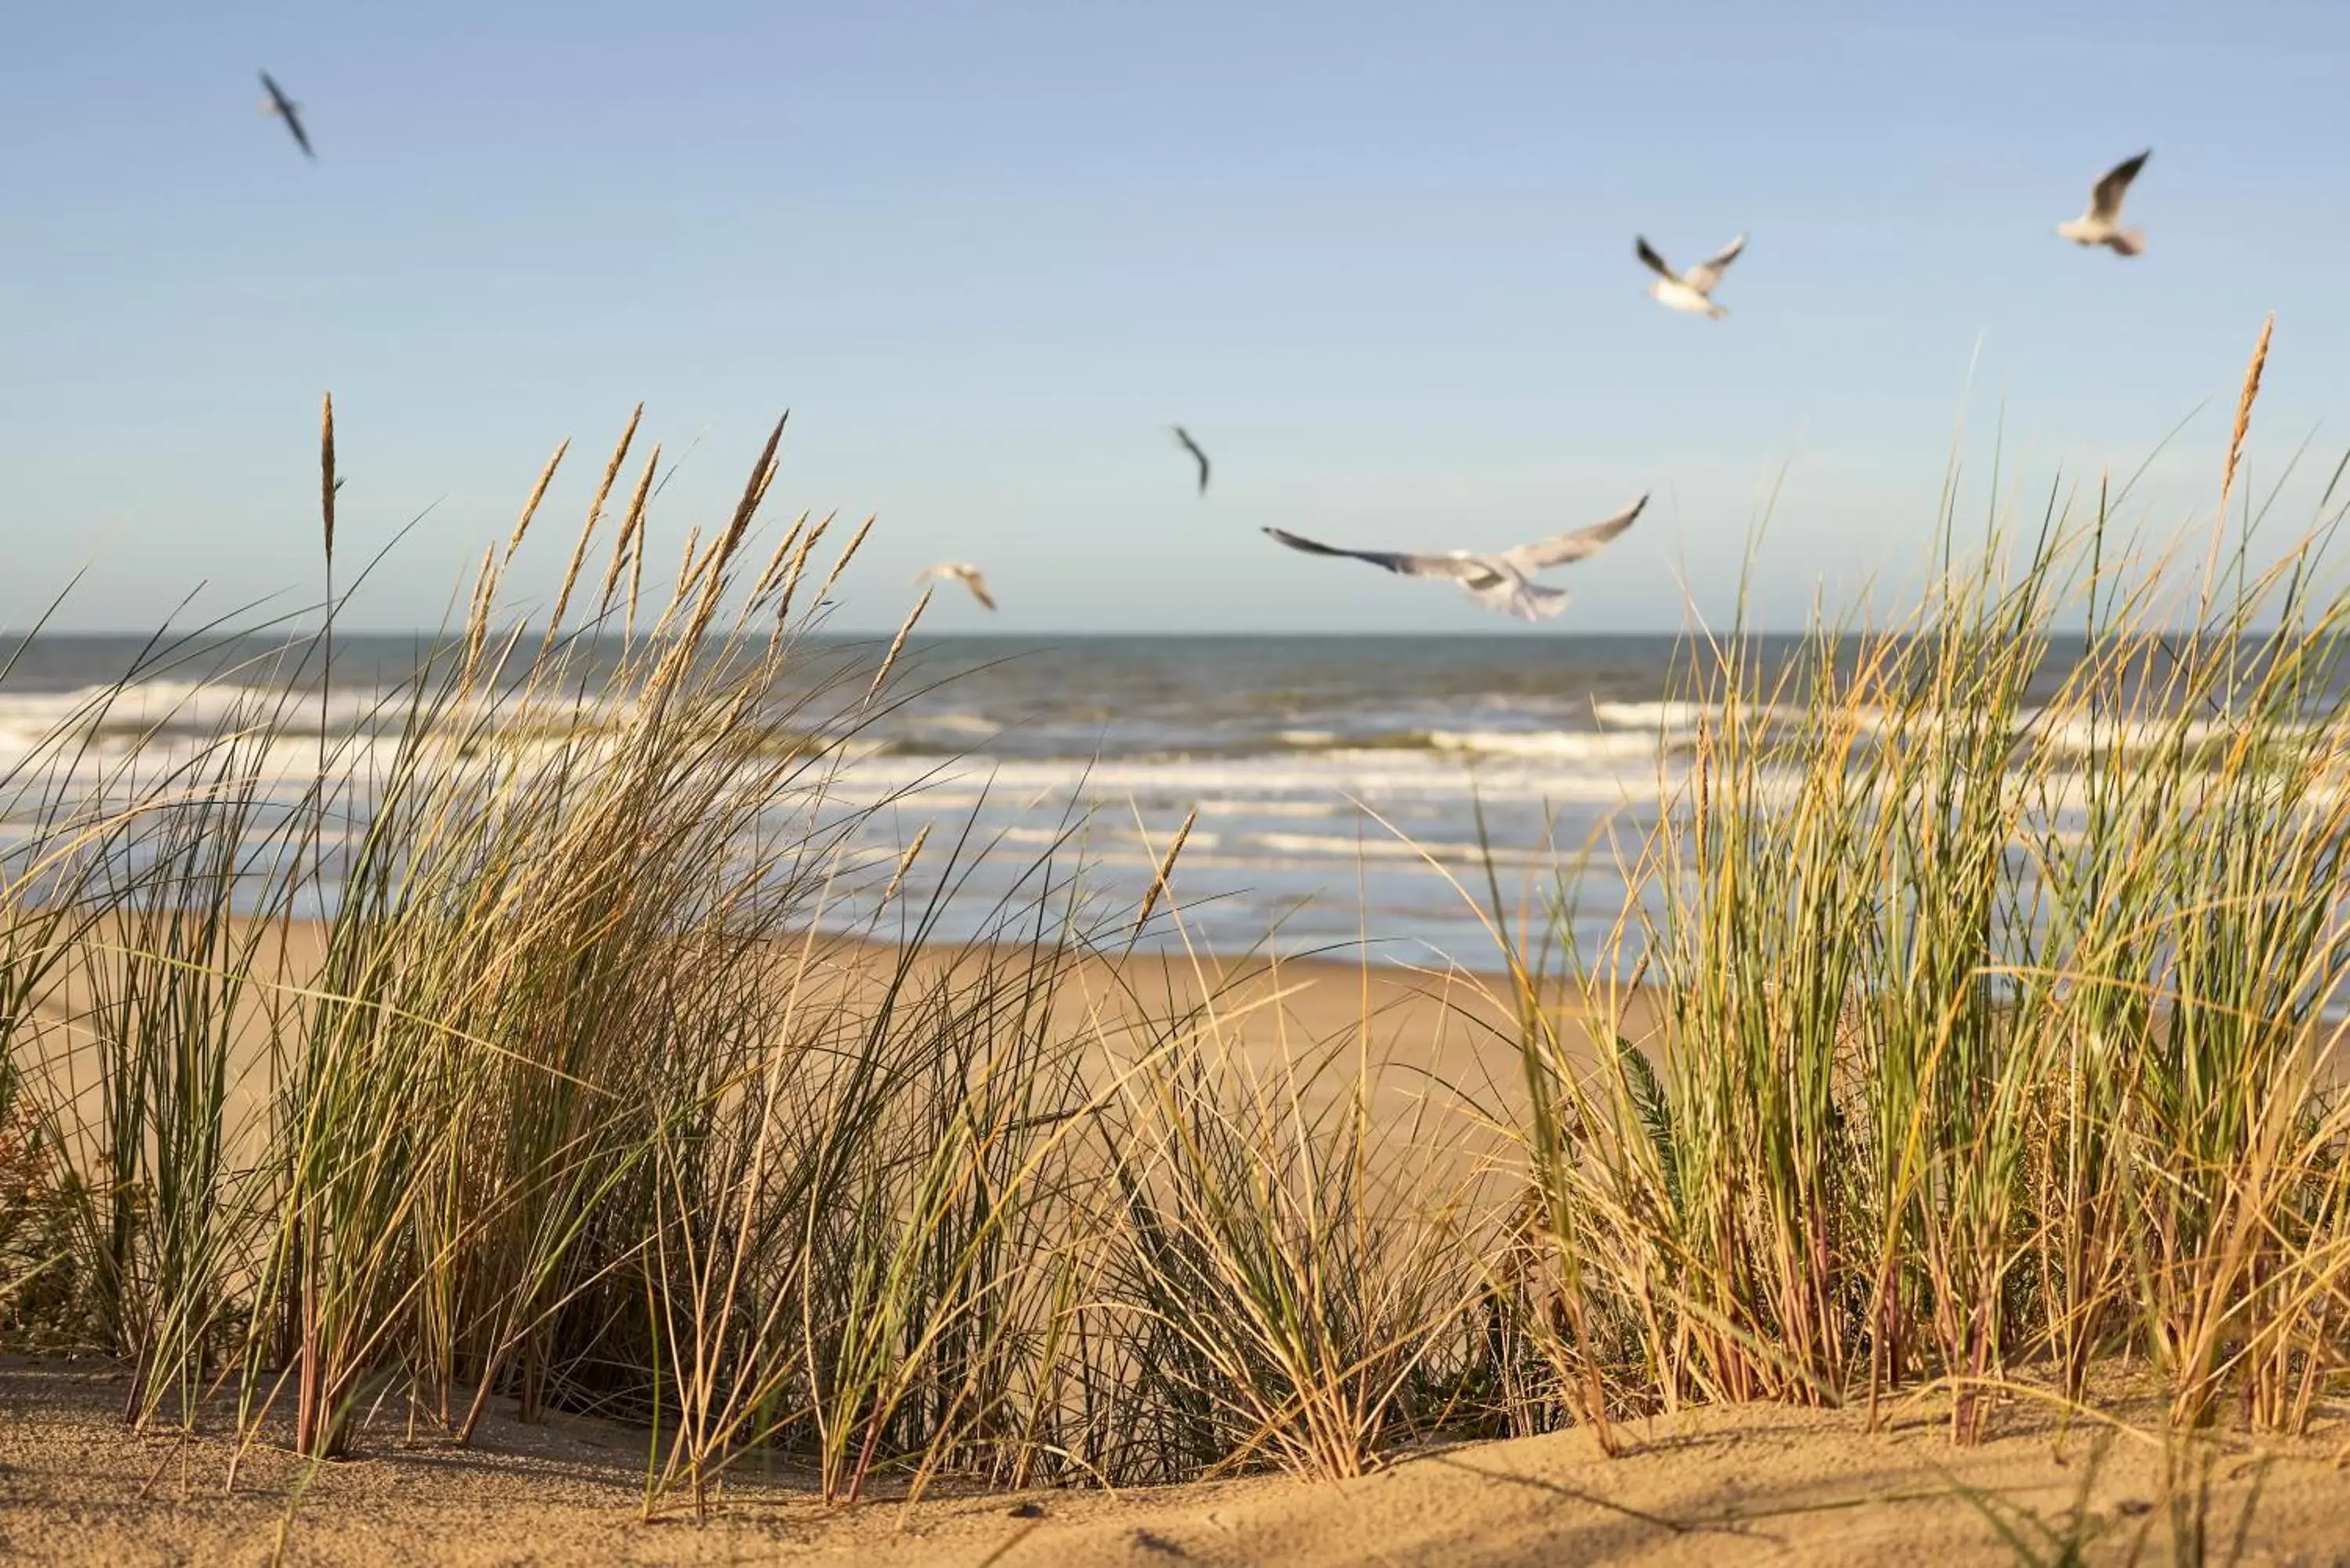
[1648, 253]
[286, 110]
[2106, 196]
[1198, 456]
[978, 587]
[1707, 273]
[1560, 549]
[283, 106]
[1455, 568]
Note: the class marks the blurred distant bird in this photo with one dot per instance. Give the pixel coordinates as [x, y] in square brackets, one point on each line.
[1691, 290]
[277, 103]
[2100, 225]
[1198, 456]
[964, 573]
[1498, 581]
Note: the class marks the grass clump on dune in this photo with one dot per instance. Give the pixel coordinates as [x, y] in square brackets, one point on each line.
[1990, 1058]
[1997, 1038]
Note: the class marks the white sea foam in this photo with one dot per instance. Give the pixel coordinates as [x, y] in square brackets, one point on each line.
[1565, 745]
[1103, 832]
[1230, 806]
[151, 714]
[2076, 733]
[2064, 732]
[1378, 845]
[956, 721]
[1651, 716]
[1324, 777]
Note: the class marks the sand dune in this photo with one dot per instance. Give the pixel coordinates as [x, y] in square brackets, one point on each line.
[1709, 1488]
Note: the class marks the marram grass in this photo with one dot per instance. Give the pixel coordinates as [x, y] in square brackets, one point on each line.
[1994, 1057]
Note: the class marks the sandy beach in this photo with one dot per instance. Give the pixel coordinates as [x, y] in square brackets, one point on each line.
[1758, 1483]
[1712, 1486]
[1325, 1025]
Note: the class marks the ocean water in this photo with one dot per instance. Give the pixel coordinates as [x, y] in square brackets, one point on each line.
[1350, 790]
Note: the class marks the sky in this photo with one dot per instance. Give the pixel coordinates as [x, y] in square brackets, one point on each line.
[1377, 257]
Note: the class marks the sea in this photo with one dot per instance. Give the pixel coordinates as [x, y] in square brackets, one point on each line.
[1395, 797]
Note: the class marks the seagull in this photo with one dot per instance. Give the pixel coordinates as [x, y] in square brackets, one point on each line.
[1691, 290]
[963, 572]
[2100, 225]
[277, 103]
[1498, 581]
[1192, 447]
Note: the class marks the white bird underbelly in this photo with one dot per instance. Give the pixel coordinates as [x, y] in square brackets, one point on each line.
[2091, 231]
[1681, 297]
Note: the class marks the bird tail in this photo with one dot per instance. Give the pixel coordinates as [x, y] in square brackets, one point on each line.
[1538, 603]
[2129, 241]
[1519, 597]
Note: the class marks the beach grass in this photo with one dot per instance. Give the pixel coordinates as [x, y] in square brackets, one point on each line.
[1956, 1043]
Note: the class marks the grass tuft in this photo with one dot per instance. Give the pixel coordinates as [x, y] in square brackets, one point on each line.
[1983, 1033]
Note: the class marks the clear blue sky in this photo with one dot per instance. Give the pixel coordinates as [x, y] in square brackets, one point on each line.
[1378, 258]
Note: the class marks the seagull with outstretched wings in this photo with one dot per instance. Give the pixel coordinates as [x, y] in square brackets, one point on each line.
[963, 572]
[1501, 580]
[285, 108]
[2102, 223]
[1692, 290]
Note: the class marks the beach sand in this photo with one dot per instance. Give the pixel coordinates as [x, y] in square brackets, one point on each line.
[1709, 1487]
[1431, 1043]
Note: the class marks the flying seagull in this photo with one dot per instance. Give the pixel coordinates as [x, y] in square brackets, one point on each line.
[277, 103]
[963, 572]
[1198, 456]
[2102, 223]
[1500, 581]
[1691, 290]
